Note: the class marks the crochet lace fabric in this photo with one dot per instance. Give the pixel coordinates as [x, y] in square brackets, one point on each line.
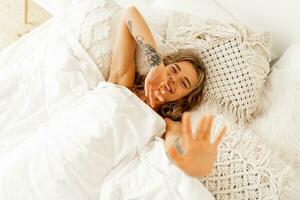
[96, 24]
[236, 61]
[93, 23]
[242, 169]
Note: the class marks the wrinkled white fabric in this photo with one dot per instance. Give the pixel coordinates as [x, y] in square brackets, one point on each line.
[39, 75]
[152, 176]
[68, 156]
[45, 142]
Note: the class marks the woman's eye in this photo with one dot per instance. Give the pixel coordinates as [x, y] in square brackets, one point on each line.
[174, 70]
[183, 84]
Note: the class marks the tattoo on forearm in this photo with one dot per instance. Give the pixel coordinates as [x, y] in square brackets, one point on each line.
[177, 146]
[152, 57]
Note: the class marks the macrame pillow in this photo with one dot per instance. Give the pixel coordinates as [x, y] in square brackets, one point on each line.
[95, 24]
[245, 168]
[236, 61]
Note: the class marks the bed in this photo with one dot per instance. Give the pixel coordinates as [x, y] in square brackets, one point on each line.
[48, 74]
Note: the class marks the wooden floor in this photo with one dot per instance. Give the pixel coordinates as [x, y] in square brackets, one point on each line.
[12, 25]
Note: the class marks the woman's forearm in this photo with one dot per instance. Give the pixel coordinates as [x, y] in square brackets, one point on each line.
[142, 35]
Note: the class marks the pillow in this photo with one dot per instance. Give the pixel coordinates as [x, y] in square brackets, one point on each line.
[245, 168]
[236, 59]
[280, 17]
[56, 7]
[202, 8]
[125, 3]
[49, 6]
[157, 19]
[95, 25]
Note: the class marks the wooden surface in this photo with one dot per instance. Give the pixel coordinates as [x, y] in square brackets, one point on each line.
[12, 25]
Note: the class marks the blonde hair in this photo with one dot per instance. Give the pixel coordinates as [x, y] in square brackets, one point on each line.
[175, 109]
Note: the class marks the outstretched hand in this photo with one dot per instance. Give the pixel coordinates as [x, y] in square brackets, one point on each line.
[199, 153]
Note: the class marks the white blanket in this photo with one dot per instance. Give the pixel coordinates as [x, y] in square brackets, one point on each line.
[39, 75]
[68, 156]
[63, 130]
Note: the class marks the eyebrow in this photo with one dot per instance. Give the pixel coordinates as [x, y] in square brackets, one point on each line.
[185, 76]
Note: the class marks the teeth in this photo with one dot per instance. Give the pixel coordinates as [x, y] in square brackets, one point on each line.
[166, 88]
[169, 88]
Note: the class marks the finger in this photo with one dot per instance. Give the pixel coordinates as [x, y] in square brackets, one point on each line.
[186, 130]
[161, 85]
[207, 130]
[151, 96]
[200, 127]
[163, 90]
[220, 135]
[158, 95]
[146, 87]
[157, 85]
[175, 156]
[164, 83]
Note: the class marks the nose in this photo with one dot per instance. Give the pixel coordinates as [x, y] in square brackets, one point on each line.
[172, 82]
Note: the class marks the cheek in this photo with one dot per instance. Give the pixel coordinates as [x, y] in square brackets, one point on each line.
[177, 95]
[183, 93]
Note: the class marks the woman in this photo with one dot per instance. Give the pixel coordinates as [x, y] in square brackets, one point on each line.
[172, 87]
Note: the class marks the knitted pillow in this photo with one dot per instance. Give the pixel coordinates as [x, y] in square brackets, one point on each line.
[245, 168]
[96, 23]
[236, 61]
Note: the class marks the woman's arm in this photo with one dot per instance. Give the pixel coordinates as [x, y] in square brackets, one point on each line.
[142, 35]
[133, 31]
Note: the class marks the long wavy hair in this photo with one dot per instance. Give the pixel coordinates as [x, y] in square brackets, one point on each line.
[175, 109]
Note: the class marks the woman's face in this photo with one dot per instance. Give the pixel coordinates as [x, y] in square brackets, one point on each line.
[182, 79]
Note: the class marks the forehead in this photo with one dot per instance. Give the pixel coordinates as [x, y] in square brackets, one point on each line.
[189, 71]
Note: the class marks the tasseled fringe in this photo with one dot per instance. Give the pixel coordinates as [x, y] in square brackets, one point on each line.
[240, 114]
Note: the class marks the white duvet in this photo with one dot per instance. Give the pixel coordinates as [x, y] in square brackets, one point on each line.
[68, 134]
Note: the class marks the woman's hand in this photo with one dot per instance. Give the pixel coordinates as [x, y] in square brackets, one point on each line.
[156, 79]
[199, 153]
